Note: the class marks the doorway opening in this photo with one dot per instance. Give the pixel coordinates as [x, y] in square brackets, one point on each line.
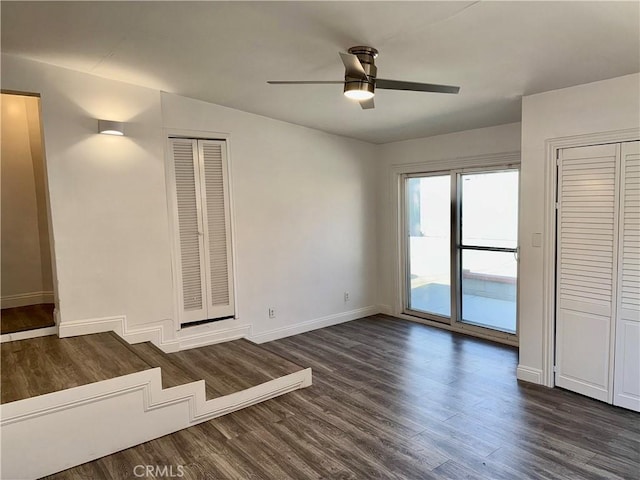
[27, 274]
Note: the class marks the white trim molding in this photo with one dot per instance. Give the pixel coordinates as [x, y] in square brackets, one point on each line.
[24, 299]
[552, 145]
[161, 335]
[322, 322]
[112, 415]
[35, 333]
[445, 164]
[529, 374]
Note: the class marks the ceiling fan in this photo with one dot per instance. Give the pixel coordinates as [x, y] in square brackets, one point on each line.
[360, 80]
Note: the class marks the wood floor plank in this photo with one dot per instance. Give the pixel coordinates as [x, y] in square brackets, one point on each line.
[226, 368]
[398, 400]
[538, 463]
[29, 317]
[392, 448]
[454, 470]
[47, 364]
[625, 468]
[172, 373]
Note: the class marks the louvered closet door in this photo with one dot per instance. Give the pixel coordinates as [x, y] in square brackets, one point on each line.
[191, 264]
[205, 281]
[216, 218]
[627, 351]
[586, 268]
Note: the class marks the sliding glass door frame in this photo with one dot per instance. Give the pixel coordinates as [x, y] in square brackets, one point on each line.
[455, 320]
[406, 250]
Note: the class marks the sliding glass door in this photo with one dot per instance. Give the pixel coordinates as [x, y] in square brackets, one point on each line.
[429, 244]
[475, 216]
[488, 250]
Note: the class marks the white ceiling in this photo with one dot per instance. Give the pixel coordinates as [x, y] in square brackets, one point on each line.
[224, 52]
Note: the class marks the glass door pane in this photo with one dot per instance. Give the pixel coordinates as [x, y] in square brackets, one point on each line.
[488, 270]
[489, 289]
[429, 245]
[490, 209]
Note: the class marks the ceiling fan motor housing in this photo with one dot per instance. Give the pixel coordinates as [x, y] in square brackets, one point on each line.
[367, 56]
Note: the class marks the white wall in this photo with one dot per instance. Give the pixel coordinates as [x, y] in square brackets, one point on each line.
[304, 205]
[585, 109]
[304, 214]
[422, 152]
[107, 193]
[26, 262]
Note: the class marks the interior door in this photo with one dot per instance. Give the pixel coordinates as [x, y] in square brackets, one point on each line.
[205, 270]
[586, 268]
[188, 206]
[627, 346]
[216, 219]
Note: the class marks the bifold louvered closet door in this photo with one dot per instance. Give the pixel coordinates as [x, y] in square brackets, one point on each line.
[626, 382]
[205, 273]
[595, 213]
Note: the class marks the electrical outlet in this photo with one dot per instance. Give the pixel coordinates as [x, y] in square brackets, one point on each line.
[346, 296]
[272, 312]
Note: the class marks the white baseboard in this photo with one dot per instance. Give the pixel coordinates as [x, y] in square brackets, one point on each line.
[78, 425]
[303, 327]
[161, 334]
[628, 401]
[24, 299]
[211, 333]
[38, 332]
[529, 374]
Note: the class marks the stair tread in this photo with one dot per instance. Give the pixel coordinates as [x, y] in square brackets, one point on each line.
[225, 367]
[47, 364]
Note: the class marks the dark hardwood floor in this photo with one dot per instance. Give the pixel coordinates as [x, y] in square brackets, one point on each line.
[397, 400]
[225, 367]
[30, 317]
[47, 364]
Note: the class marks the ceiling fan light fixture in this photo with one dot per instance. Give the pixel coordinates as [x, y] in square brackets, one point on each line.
[359, 90]
[361, 78]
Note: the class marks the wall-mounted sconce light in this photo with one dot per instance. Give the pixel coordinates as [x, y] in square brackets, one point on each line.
[109, 127]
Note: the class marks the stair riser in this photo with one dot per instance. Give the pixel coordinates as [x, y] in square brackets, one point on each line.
[74, 426]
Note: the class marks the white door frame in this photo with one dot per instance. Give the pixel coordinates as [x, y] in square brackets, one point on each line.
[552, 146]
[396, 175]
[172, 214]
[49, 213]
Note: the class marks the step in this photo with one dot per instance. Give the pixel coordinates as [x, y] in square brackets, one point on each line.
[112, 395]
[28, 317]
[225, 367]
[38, 366]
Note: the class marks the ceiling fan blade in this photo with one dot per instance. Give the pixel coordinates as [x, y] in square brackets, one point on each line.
[353, 66]
[367, 104]
[415, 86]
[304, 82]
